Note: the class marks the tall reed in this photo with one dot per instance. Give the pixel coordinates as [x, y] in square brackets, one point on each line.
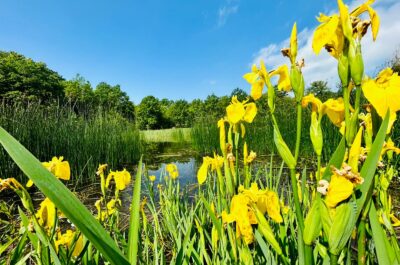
[56, 131]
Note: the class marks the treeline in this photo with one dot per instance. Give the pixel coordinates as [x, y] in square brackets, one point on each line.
[25, 81]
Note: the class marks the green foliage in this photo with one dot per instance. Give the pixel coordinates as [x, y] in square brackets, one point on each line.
[321, 90]
[149, 114]
[113, 98]
[57, 131]
[21, 77]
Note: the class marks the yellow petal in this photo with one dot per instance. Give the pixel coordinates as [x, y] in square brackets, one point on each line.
[355, 151]
[251, 77]
[256, 89]
[263, 70]
[293, 43]
[325, 32]
[345, 20]
[375, 21]
[284, 78]
[250, 112]
[29, 183]
[273, 207]
[202, 172]
[334, 108]
[316, 104]
[62, 170]
[235, 112]
[383, 92]
[340, 188]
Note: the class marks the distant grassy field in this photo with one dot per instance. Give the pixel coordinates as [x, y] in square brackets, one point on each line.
[174, 135]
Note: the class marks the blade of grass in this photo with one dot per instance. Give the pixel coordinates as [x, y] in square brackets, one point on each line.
[133, 240]
[63, 198]
[336, 159]
[369, 167]
[384, 251]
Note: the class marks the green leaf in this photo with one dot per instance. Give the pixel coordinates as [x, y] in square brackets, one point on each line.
[214, 219]
[63, 198]
[133, 240]
[384, 250]
[336, 159]
[369, 167]
[6, 245]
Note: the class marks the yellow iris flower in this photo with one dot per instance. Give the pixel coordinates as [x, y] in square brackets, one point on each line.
[259, 77]
[383, 93]
[333, 108]
[334, 29]
[172, 170]
[121, 178]
[46, 213]
[240, 111]
[341, 185]
[152, 178]
[215, 163]
[68, 240]
[242, 212]
[57, 167]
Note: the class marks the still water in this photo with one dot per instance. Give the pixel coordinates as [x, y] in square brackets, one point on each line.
[158, 155]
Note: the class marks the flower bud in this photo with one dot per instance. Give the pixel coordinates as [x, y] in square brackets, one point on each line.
[344, 70]
[271, 98]
[356, 63]
[312, 223]
[351, 130]
[283, 149]
[297, 82]
[316, 134]
[342, 227]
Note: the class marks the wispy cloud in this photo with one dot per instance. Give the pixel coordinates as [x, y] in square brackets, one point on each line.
[230, 8]
[323, 66]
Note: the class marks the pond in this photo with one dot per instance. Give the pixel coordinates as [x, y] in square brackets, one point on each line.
[158, 155]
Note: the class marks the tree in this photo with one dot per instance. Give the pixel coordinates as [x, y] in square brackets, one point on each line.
[240, 93]
[29, 79]
[79, 94]
[149, 114]
[320, 89]
[113, 98]
[179, 114]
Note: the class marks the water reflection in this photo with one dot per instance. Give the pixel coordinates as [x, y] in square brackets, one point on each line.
[158, 155]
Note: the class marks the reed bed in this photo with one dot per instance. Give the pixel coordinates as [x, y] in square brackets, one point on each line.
[84, 141]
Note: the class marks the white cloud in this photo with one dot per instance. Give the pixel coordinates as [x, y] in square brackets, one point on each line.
[323, 66]
[226, 11]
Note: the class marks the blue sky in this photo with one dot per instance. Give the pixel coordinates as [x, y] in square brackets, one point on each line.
[174, 49]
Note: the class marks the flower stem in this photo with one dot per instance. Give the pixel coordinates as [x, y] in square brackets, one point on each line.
[298, 131]
[361, 241]
[334, 259]
[346, 109]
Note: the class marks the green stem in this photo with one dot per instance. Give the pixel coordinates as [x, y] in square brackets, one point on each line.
[299, 214]
[358, 99]
[318, 175]
[298, 131]
[334, 259]
[361, 241]
[308, 257]
[346, 99]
